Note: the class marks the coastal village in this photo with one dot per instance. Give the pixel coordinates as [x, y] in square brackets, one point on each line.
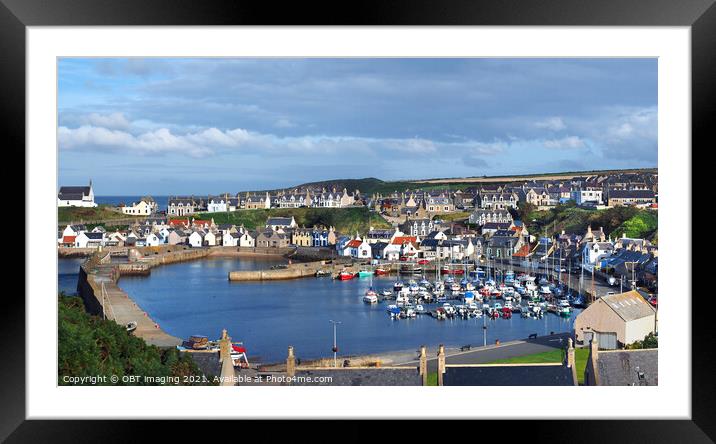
[477, 233]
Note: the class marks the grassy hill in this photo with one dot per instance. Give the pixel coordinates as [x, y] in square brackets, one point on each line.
[100, 212]
[634, 222]
[91, 346]
[345, 220]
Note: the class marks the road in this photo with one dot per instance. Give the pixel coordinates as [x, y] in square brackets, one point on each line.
[491, 353]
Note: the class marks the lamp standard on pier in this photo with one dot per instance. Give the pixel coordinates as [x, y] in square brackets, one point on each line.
[335, 347]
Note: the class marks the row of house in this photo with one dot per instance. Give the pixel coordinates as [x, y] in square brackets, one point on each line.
[296, 198]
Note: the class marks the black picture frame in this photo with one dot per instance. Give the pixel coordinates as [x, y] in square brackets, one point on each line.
[699, 15]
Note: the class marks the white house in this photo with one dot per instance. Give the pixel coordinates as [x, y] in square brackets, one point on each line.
[594, 252]
[152, 240]
[247, 240]
[73, 230]
[230, 239]
[218, 204]
[144, 207]
[196, 238]
[76, 196]
[588, 194]
[357, 248]
[276, 223]
[210, 239]
[89, 240]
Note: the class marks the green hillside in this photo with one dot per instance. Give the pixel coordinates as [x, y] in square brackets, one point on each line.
[634, 222]
[91, 346]
[100, 212]
[345, 220]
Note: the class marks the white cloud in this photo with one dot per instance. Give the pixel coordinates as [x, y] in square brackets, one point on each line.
[569, 142]
[552, 124]
[284, 123]
[147, 139]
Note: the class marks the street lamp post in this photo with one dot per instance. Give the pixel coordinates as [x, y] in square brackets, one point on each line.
[335, 347]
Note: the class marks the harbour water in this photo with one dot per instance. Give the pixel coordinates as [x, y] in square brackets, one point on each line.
[196, 298]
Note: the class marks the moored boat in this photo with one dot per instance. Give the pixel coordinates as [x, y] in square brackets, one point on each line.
[345, 275]
[371, 297]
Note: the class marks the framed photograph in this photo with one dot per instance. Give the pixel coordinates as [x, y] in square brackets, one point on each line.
[456, 221]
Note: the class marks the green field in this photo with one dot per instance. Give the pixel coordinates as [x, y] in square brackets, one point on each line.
[556, 355]
[98, 213]
[345, 220]
[372, 185]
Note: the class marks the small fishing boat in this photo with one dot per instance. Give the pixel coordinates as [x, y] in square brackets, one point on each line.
[371, 297]
[131, 326]
[345, 275]
[238, 355]
[381, 271]
[563, 308]
[387, 293]
[322, 273]
[365, 273]
[419, 309]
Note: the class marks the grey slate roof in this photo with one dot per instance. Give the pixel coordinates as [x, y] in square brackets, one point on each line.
[362, 376]
[629, 305]
[82, 189]
[631, 194]
[509, 375]
[278, 221]
[628, 367]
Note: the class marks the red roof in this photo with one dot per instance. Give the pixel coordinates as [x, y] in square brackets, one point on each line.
[354, 243]
[179, 222]
[523, 252]
[68, 239]
[202, 222]
[400, 240]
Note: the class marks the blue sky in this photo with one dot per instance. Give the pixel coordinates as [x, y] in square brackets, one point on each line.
[181, 126]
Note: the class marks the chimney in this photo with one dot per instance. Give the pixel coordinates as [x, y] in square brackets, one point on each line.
[441, 363]
[290, 363]
[424, 364]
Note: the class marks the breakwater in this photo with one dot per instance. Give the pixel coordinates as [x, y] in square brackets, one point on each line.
[292, 271]
[97, 286]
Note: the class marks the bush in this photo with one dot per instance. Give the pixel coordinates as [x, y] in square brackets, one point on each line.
[650, 341]
[91, 346]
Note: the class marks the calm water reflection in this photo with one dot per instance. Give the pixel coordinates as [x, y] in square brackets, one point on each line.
[197, 298]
